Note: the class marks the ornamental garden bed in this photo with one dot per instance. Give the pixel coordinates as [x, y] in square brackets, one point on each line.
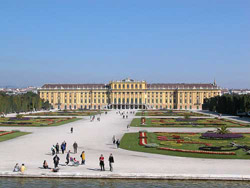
[191, 122]
[187, 145]
[35, 122]
[6, 135]
[68, 113]
[168, 113]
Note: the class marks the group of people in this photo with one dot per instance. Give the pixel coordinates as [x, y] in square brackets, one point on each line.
[116, 141]
[55, 148]
[17, 168]
[55, 151]
[102, 164]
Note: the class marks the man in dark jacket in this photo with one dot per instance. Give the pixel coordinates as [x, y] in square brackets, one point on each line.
[67, 157]
[57, 148]
[75, 146]
[56, 160]
[111, 160]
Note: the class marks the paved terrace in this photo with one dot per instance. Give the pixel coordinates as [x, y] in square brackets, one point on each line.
[95, 138]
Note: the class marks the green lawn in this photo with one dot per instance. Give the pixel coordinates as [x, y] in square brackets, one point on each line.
[12, 135]
[198, 123]
[130, 141]
[36, 122]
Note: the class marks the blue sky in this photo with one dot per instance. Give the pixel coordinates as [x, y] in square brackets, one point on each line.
[90, 41]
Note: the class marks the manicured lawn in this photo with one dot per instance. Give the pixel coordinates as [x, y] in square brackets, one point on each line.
[130, 141]
[68, 113]
[181, 122]
[35, 122]
[168, 113]
[12, 135]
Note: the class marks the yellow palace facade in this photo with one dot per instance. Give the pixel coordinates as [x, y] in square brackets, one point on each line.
[128, 94]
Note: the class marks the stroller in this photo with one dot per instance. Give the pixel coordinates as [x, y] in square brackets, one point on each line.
[74, 162]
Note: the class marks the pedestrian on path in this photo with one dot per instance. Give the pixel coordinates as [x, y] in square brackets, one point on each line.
[53, 150]
[111, 161]
[117, 143]
[113, 139]
[75, 146]
[62, 147]
[71, 130]
[57, 148]
[16, 168]
[65, 145]
[128, 126]
[67, 157]
[101, 159]
[22, 169]
[83, 158]
[56, 160]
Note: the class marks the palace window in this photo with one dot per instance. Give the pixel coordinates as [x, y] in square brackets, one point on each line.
[115, 86]
[136, 86]
[123, 86]
[119, 86]
[132, 86]
[127, 86]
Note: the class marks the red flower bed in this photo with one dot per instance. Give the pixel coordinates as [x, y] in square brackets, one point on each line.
[196, 151]
[142, 138]
[5, 133]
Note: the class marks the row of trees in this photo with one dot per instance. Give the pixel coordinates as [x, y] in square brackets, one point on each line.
[21, 103]
[228, 103]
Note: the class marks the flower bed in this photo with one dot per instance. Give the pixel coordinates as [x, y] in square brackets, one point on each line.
[221, 136]
[143, 138]
[197, 151]
[5, 133]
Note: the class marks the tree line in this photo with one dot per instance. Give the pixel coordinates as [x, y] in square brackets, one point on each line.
[21, 103]
[228, 104]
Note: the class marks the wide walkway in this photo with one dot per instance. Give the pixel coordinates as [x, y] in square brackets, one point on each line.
[95, 138]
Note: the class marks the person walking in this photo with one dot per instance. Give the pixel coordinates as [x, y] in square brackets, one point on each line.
[83, 157]
[75, 146]
[57, 148]
[67, 157]
[111, 161]
[101, 160]
[65, 145]
[62, 148]
[53, 150]
[113, 139]
[56, 160]
[117, 143]
[71, 129]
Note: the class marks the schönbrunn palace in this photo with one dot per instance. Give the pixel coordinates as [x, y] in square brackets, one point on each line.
[128, 94]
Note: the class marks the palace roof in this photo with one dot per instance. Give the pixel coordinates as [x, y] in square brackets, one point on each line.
[181, 86]
[74, 86]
